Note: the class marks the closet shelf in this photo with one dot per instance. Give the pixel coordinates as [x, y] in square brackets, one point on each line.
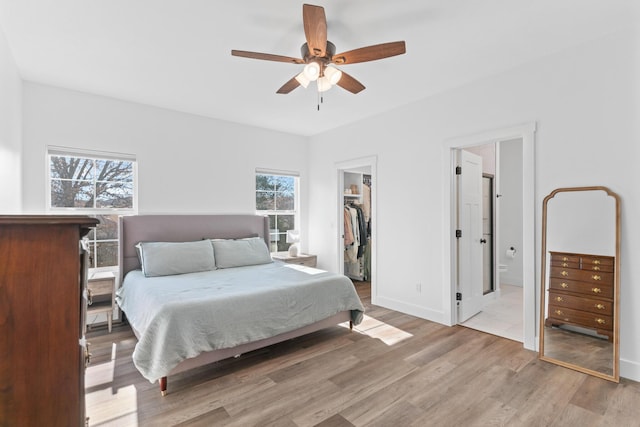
[353, 195]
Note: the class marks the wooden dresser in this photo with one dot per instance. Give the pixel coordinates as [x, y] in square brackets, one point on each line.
[43, 273]
[581, 292]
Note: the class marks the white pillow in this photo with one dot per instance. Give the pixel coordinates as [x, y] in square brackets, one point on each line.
[168, 258]
[241, 252]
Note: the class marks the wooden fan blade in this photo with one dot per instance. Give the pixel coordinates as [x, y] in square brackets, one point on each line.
[315, 29]
[289, 86]
[370, 53]
[349, 83]
[266, 56]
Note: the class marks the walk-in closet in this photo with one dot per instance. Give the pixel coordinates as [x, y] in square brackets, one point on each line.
[357, 224]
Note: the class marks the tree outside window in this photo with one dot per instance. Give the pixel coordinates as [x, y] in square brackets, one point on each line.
[103, 188]
[276, 196]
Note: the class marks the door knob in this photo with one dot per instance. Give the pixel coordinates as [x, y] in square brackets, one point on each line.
[483, 240]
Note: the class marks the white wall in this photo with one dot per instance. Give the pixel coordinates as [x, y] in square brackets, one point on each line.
[186, 163]
[584, 101]
[10, 131]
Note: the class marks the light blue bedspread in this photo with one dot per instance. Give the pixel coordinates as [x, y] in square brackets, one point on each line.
[181, 316]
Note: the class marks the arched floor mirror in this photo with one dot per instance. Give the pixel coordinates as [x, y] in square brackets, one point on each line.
[579, 309]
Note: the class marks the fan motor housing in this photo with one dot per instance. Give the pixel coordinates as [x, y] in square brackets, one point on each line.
[329, 52]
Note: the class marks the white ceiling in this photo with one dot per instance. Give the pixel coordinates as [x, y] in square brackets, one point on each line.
[175, 54]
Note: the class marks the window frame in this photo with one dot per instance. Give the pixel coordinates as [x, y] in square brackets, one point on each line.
[275, 212]
[94, 211]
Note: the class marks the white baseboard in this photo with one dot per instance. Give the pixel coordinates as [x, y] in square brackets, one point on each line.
[413, 310]
[630, 370]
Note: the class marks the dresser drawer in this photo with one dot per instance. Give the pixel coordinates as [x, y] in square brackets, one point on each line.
[562, 257]
[594, 263]
[594, 277]
[566, 264]
[100, 287]
[580, 318]
[593, 305]
[585, 288]
[302, 259]
[309, 261]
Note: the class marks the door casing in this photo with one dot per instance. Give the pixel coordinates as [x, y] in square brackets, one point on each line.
[345, 166]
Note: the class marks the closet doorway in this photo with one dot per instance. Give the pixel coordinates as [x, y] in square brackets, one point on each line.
[357, 222]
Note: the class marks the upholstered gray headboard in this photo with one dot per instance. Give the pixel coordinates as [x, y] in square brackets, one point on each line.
[183, 228]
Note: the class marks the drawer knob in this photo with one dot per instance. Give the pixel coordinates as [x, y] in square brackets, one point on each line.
[559, 299]
[600, 321]
[595, 268]
[600, 306]
[596, 290]
[596, 261]
[596, 277]
[564, 273]
[564, 258]
[565, 264]
[559, 312]
[564, 285]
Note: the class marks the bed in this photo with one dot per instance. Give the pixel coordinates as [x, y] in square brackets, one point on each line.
[199, 288]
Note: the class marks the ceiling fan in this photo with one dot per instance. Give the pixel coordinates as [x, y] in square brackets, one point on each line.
[319, 55]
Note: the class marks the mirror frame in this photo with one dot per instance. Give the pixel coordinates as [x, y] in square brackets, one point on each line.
[615, 377]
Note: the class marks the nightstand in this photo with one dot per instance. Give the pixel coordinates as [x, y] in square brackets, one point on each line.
[101, 295]
[302, 259]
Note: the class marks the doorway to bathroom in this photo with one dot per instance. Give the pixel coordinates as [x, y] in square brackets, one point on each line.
[522, 268]
[495, 304]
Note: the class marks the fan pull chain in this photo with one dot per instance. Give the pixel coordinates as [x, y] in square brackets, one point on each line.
[320, 99]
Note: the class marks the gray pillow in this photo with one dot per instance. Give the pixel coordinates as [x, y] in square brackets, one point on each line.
[168, 258]
[241, 252]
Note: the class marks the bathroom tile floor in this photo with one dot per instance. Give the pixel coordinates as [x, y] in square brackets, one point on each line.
[501, 316]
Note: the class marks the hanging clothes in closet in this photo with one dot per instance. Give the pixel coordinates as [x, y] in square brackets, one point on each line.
[356, 238]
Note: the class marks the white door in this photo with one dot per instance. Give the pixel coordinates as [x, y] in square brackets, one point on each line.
[470, 247]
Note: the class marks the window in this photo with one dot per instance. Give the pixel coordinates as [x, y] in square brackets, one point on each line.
[277, 197]
[100, 185]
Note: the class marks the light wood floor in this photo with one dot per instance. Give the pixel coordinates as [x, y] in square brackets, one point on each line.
[394, 370]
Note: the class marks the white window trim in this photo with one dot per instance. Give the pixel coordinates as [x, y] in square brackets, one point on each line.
[53, 150]
[296, 209]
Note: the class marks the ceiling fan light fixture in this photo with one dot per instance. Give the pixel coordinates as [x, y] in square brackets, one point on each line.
[333, 74]
[312, 71]
[303, 80]
[319, 59]
[324, 84]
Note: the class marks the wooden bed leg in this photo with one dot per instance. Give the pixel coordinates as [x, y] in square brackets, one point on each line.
[163, 386]
[351, 325]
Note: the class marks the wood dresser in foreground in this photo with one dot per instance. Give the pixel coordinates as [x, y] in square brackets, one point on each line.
[581, 292]
[42, 353]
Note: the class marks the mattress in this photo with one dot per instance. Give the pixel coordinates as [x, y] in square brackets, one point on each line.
[178, 317]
